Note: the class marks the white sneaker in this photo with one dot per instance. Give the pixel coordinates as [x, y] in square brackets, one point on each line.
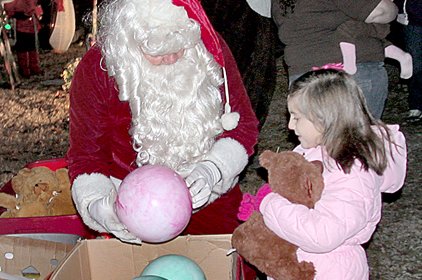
[414, 115]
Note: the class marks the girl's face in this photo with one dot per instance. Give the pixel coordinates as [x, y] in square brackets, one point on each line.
[309, 135]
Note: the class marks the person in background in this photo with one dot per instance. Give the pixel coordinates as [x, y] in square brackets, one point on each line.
[350, 31]
[410, 16]
[362, 157]
[308, 32]
[160, 86]
[27, 14]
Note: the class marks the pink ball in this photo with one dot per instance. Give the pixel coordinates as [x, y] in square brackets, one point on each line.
[154, 203]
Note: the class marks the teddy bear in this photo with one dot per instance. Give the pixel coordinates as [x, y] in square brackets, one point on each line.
[299, 181]
[39, 191]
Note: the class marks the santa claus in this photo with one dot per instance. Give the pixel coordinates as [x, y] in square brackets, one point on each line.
[159, 87]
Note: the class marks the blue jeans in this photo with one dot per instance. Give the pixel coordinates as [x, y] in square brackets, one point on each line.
[413, 45]
[372, 78]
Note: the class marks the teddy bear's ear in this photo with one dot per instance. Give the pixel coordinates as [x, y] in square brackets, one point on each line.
[26, 172]
[318, 164]
[18, 181]
[63, 177]
[265, 158]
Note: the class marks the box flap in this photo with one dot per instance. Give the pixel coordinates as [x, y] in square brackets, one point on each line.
[19, 255]
[75, 265]
[100, 259]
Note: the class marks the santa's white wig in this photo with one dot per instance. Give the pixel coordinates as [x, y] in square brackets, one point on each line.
[176, 108]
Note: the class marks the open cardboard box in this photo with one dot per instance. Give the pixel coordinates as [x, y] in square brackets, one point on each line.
[99, 259]
[31, 258]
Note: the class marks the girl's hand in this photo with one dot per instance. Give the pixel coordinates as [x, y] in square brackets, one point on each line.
[247, 207]
[250, 203]
[261, 193]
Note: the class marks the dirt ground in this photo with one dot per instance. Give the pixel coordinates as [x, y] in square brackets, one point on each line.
[34, 126]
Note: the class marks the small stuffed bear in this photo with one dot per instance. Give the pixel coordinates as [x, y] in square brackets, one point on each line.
[298, 180]
[39, 192]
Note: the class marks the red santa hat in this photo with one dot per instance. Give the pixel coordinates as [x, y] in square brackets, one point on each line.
[208, 35]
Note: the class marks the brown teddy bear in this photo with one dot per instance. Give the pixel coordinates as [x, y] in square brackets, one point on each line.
[39, 192]
[298, 180]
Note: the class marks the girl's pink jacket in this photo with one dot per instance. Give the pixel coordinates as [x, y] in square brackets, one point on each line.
[331, 234]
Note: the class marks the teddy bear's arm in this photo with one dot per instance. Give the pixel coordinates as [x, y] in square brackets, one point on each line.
[7, 201]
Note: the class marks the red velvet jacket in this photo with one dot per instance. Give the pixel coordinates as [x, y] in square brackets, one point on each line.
[99, 121]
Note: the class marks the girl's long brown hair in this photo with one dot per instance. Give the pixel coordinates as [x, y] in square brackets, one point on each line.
[333, 101]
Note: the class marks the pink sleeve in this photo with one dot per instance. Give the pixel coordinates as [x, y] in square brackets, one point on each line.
[394, 175]
[341, 213]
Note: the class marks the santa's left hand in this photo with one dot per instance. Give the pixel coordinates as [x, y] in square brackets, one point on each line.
[201, 181]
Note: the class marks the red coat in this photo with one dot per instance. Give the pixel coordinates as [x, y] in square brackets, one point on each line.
[94, 147]
[23, 11]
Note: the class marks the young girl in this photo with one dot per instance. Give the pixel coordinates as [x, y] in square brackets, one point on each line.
[362, 157]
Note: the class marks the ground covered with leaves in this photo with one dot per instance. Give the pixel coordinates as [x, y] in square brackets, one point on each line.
[34, 126]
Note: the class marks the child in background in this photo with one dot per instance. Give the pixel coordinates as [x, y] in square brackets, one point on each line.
[27, 14]
[347, 34]
[362, 157]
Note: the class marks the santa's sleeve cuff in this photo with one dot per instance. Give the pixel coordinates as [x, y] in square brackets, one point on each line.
[231, 158]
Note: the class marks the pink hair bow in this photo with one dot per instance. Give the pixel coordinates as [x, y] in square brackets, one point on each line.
[334, 66]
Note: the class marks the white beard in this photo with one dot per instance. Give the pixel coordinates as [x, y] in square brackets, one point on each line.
[175, 113]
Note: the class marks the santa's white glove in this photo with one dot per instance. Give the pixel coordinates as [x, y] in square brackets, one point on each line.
[211, 178]
[94, 196]
[201, 181]
[103, 212]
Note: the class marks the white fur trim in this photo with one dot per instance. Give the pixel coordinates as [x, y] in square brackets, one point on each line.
[87, 188]
[159, 12]
[262, 7]
[230, 120]
[231, 158]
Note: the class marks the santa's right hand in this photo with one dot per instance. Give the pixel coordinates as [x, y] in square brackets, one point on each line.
[103, 212]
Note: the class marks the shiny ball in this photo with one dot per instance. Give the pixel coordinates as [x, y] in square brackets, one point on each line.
[149, 277]
[154, 203]
[174, 267]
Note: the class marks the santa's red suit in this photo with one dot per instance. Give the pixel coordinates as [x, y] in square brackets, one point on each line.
[101, 146]
[94, 147]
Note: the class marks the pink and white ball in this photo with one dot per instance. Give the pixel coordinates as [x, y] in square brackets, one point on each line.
[154, 203]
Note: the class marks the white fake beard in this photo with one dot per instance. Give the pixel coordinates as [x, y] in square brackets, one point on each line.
[179, 114]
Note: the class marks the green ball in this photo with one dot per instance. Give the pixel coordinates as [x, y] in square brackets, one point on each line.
[174, 267]
[149, 277]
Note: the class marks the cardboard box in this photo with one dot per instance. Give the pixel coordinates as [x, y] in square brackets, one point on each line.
[99, 259]
[32, 258]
